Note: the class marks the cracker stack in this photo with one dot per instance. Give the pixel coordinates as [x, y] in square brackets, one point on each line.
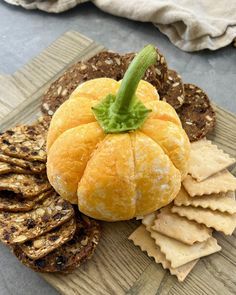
[38, 225]
[180, 234]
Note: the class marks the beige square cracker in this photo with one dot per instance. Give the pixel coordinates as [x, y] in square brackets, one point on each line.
[220, 221]
[179, 253]
[206, 159]
[149, 219]
[141, 238]
[223, 202]
[180, 228]
[222, 181]
[230, 194]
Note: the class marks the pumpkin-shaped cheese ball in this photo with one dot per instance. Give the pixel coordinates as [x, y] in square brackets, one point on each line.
[120, 156]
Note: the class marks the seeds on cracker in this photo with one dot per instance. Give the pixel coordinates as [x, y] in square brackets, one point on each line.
[172, 90]
[179, 253]
[27, 185]
[33, 166]
[196, 114]
[142, 238]
[206, 159]
[180, 228]
[12, 202]
[70, 255]
[22, 226]
[220, 221]
[42, 123]
[25, 142]
[46, 243]
[156, 74]
[220, 182]
[104, 64]
[8, 168]
[222, 202]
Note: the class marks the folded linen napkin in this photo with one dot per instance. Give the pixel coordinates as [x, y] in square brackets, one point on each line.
[190, 25]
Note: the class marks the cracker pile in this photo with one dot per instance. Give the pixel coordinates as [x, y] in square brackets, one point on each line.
[190, 102]
[178, 235]
[35, 222]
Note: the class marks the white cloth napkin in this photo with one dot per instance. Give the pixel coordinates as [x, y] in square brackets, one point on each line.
[190, 25]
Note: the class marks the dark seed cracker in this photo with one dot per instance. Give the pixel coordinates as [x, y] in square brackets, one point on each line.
[43, 122]
[30, 166]
[25, 142]
[23, 226]
[196, 114]
[104, 64]
[156, 74]
[173, 90]
[70, 255]
[46, 243]
[12, 202]
[55, 96]
[9, 168]
[29, 185]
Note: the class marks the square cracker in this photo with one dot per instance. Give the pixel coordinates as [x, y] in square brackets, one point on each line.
[220, 221]
[179, 253]
[149, 219]
[29, 185]
[206, 159]
[223, 202]
[231, 195]
[222, 181]
[180, 228]
[141, 237]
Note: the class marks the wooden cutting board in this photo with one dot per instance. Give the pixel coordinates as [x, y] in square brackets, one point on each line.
[118, 267]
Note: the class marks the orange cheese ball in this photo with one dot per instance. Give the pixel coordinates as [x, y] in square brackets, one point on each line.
[116, 176]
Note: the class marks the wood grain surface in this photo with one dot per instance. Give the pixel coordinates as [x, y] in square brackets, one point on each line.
[118, 267]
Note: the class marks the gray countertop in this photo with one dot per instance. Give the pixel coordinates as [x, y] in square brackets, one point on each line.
[23, 34]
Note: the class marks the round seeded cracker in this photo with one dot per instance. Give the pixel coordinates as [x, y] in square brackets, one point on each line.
[156, 74]
[196, 114]
[104, 64]
[173, 90]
